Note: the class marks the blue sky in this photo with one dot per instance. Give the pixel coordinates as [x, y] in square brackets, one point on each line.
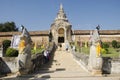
[38, 15]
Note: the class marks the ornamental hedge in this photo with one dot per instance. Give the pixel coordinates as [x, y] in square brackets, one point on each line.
[11, 52]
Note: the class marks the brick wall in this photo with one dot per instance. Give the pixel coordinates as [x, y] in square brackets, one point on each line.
[83, 35]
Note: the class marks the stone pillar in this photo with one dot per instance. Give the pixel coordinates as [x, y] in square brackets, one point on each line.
[95, 59]
[95, 63]
[65, 36]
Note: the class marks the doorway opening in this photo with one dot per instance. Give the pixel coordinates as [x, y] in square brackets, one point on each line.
[60, 39]
[61, 35]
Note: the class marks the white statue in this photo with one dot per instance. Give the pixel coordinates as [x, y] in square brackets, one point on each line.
[24, 57]
[95, 60]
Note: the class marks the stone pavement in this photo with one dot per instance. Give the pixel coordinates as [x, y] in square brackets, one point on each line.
[61, 67]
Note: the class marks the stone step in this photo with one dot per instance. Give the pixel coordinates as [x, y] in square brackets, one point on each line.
[61, 74]
[60, 70]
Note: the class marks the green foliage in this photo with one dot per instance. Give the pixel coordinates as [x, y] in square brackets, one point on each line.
[8, 26]
[11, 52]
[38, 50]
[105, 45]
[115, 44]
[112, 53]
[118, 44]
[107, 51]
[6, 44]
[85, 50]
[104, 51]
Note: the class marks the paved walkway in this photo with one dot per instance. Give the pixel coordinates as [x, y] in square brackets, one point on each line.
[62, 67]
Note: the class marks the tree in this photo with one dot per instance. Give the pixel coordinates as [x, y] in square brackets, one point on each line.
[8, 26]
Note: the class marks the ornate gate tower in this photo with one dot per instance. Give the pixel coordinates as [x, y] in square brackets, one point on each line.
[61, 28]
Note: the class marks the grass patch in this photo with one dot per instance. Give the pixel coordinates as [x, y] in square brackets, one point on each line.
[38, 50]
[113, 53]
[85, 50]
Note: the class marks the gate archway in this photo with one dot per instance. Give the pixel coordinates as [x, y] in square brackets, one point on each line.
[61, 38]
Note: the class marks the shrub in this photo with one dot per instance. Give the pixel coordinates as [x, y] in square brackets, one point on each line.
[118, 44]
[114, 43]
[105, 45]
[11, 52]
[6, 44]
[104, 51]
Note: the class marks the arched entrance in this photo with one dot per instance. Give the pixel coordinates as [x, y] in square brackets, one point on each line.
[60, 39]
[61, 35]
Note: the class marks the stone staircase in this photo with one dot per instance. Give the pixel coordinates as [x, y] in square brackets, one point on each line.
[63, 65]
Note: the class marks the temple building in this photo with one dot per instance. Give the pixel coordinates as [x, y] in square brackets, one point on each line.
[61, 28]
